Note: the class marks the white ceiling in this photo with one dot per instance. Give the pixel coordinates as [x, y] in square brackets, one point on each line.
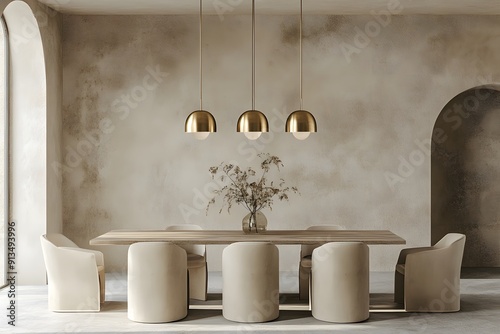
[277, 7]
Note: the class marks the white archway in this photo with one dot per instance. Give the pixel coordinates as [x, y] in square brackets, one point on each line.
[4, 78]
[28, 143]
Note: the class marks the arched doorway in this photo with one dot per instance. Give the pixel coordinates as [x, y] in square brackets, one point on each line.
[465, 174]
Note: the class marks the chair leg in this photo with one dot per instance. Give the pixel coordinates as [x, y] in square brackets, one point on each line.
[102, 285]
[304, 282]
[187, 292]
[399, 288]
[310, 289]
[198, 282]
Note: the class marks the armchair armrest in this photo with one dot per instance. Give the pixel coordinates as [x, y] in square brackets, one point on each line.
[99, 257]
[405, 252]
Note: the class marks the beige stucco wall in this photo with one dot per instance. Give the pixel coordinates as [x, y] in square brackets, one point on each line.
[51, 31]
[35, 130]
[375, 96]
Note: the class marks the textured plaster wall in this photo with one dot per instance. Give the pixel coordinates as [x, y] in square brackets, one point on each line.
[52, 37]
[465, 174]
[130, 82]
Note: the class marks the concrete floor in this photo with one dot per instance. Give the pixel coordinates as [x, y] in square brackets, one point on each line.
[480, 313]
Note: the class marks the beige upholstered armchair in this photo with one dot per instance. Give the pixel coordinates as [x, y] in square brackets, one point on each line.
[427, 279]
[197, 264]
[75, 275]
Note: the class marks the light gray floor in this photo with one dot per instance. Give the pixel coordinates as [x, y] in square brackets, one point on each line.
[480, 313]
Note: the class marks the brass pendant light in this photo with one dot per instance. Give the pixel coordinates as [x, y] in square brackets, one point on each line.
[200, 122]
[300, 122]
[252, 122]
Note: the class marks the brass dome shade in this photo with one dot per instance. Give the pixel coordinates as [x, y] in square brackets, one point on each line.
[252, 123]
[201, 123]
[300, 123]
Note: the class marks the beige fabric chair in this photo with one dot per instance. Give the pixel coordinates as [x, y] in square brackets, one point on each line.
[197, 264]
[157, 282]
[340, 282]
[250, 282]
[427, 279]
[305, 260]
[75, 275]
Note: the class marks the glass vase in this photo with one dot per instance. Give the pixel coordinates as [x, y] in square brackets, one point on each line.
[254, 222]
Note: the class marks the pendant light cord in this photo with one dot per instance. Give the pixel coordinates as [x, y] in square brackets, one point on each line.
[300, 55]
[253, 54]
[201, 55]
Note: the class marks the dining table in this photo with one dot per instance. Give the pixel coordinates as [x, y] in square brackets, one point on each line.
[126, 237]
[222, 237]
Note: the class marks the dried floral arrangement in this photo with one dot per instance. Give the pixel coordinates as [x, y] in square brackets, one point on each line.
[244, 186]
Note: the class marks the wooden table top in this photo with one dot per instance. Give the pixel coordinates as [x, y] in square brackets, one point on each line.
[223, 237]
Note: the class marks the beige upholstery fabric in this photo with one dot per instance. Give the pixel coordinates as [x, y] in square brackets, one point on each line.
[157, 282]
[305, 260]
[427, 279]
[195, 260]
[340, 282]
[197, 264]
[75, 276]
[250, 282]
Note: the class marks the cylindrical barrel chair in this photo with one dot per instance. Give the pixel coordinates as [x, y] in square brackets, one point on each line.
[157, 282]
[197, 264]
[340, 282]
[250, 282]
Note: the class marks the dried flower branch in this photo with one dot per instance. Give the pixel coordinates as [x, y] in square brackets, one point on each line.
[246, 188]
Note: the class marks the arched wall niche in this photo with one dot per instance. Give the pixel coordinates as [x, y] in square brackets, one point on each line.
[35, 129]
[465, 174]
